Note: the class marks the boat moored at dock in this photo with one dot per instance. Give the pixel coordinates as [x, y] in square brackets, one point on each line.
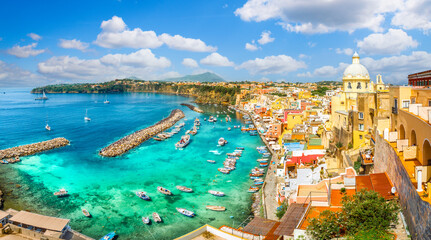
[222, 142]
[185, 212]
[253, 189]
[146, 220]
[164, 191]
[211, 161]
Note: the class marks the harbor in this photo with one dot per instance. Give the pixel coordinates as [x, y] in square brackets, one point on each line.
[33, 148]
[135, 139]
[193, 108]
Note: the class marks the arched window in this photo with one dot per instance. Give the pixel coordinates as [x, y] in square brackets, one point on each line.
[366, 85]
[349, 85]
[359, 86]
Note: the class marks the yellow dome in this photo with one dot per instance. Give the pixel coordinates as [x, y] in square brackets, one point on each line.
[356, 70]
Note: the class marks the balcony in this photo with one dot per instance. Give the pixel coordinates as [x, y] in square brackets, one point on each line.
[394, 110]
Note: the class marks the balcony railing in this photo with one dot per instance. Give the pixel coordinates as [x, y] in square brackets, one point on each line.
[394, 110]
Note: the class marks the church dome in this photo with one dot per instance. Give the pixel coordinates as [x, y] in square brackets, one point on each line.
[356, 70]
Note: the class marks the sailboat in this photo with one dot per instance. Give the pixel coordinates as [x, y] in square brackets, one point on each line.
[106, 101]
[86, 118]
[47, 127]
[44, 97]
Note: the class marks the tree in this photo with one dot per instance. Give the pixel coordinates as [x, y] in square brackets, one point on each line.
[364, 215]
[326, 226]
[281, 210]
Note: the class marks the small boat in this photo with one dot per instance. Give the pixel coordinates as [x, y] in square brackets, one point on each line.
[216, 208]
[256, 174]
[240, 148]
[222, 142]
[164, 191]
[211, 161]
[205, 119]
[143, 196]
[44, 97]
[109, 236]
[86, 118]
[86, 213]
[158, 139]
[185, 212]
[146, 220]
[4, 161]
[61, 193]
[253, 189]
[262, 160]
[184, 189]
[224, 170]
[257, 183]
[47, 127]
[253, 134]
[197, 122]
[157, 217]
[216, 193]
[184, 141]
[106, 101]
[229, 128]
[263, 164]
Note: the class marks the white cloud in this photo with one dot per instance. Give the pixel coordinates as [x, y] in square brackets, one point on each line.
[34, 36]
[414, 14]
[280, 64]
[311, 44]
[189, 62]
[116, 35]
[251, 46]
[393, 42]
[346, 51]
[25, 51]
[73, 44]
[303, 56]
[265, 38]
[316, 16]
[142, 64]
[189, 44]
[11, 75]
[215, 59]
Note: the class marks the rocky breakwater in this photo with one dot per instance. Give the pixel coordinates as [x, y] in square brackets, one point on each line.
[33, 148]
[196, 109]
[135, 139]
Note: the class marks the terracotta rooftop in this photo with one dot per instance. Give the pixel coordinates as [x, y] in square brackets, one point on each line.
[378, 182]
[337, 196]
[260, 226]
[314, 212]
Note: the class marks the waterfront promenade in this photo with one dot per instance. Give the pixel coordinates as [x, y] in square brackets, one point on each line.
[33, 148]
[135, 139]
[196, 109]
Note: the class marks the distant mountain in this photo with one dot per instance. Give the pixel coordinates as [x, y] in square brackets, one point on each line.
[204, 77]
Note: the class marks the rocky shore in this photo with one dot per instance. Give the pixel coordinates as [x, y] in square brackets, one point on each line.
[1, 199]
[33, 148]
[135, 139]
[196, 109]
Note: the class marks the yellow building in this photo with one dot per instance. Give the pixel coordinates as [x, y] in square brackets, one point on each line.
[293, 119]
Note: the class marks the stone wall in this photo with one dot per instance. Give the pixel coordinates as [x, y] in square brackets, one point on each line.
[416, 211]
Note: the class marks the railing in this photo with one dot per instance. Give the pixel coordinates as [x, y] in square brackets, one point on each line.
[394, 110]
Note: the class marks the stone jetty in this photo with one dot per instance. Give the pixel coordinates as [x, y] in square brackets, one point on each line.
[33, 148]
[135, 139]
[196, 109]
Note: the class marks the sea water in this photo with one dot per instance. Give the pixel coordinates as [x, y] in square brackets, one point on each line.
[106, 186]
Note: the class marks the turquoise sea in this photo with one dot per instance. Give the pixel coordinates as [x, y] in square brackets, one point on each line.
[107, 186]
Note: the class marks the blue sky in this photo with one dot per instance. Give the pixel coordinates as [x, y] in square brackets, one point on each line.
[51, 42]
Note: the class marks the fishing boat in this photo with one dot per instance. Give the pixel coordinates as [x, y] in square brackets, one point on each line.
[216, 193]
[197, 122]
[4, 161]
[253, 189]
[240, 148]
[184, 189]
[185, 212]
[211, 161]
[86, 213]
[86, 118]
[184, 141]
[216, 208]
[109, 236]
[44, 97]
[256, 174]
[47, 127]
[158, 139]
[157, 217]
[257, 183]
[222, 142]
[61, 193]
[253, 134]
[164, 191]
[143, 196]
[262, 160]
[263, 164]
[224, 170]
[266, 155]
[146, 220]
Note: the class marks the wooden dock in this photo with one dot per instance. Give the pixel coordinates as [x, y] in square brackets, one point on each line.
[33, 148]
[196, 109]
[135, 139]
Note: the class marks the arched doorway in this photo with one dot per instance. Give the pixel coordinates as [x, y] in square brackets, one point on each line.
[426, 153]
[413, 138]
[402, 132]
